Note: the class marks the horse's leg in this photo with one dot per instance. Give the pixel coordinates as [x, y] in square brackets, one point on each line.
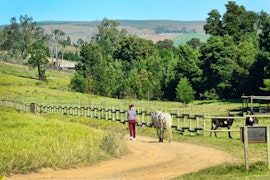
[158, 134]
[229, 133]
[215, 131]
[162, 133]
[169, 129]
[212, 128]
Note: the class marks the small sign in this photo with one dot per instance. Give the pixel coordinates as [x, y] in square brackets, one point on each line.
[256, 134]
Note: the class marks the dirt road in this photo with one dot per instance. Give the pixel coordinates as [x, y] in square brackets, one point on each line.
[148, 160]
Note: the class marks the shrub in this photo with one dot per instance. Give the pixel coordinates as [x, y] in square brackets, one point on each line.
[78, 83]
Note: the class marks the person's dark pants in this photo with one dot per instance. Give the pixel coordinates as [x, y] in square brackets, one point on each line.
[132, 128]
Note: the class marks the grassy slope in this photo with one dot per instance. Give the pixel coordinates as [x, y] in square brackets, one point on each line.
[32, 142]
[20, 83]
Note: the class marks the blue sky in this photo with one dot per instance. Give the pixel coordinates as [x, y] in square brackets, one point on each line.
[93, 10]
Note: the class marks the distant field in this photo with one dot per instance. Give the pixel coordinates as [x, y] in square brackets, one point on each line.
[143, 29]
[183, 38]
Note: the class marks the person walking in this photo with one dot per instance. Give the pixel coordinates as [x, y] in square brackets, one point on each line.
[132, 117]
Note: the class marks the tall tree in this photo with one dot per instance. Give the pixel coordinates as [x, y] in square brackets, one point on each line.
[39, 54]
[188, 65]
[264, 37]
[17, 37]
[137, 54]
[108, 36]
[11, 38]
[218, 61]
[246, 54]
[29, 33]
[213, 24]
[55, 37]
[238, 22]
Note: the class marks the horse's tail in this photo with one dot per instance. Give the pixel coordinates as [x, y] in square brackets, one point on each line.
[169, 127]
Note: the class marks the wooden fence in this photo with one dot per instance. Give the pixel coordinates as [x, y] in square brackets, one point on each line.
[181, 122]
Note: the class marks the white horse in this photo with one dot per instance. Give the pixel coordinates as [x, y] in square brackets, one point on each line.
[162, 120]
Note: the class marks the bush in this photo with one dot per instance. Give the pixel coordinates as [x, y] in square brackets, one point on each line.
[78, 83]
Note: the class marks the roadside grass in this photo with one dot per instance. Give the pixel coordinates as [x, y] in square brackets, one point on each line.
[31, 142]
[257, 170]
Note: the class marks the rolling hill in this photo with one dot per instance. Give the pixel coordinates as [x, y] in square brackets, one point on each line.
[178, 31]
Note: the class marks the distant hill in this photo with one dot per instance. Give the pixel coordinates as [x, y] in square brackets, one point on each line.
[155, 30]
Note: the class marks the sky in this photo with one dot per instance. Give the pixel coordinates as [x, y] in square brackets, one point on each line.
[96, 10]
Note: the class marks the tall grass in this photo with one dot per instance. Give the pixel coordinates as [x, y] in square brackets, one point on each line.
[30, 142]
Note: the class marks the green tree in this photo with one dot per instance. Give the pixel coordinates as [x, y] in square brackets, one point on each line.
[259, 75]
[29, 33]
[90, 63]
[213, 24]
[38, 58]
[266, 82]
[17, 37]
[264, 37]
[236, 22]
[188, 65]
[78, 83]
[132, 48]
[164, 71]
[218, 63]
[134, 87]
[261, 71]
[166, 44]
[138, 54]
[194, 43]
[11, 38]
[108, 36]
[184, 91]
[246, 54]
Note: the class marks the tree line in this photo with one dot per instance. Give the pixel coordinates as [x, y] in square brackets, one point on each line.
[234, 61]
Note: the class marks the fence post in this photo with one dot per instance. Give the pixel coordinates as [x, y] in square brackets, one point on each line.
[33, 108]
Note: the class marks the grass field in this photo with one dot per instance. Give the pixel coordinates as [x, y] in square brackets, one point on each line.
[183, 38]
[19, 131]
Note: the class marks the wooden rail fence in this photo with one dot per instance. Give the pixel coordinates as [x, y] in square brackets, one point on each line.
[181, 122]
